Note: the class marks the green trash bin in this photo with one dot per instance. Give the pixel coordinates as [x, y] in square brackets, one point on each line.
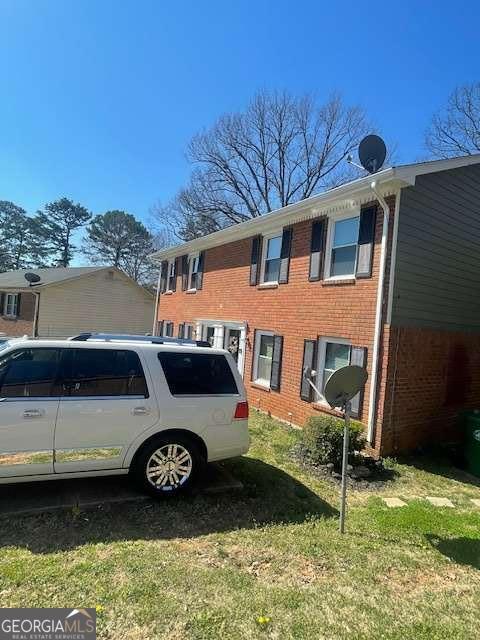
[472, 441]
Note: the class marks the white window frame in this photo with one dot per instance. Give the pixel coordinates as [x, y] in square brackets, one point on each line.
[191, 260]
[266, 238]
[329, 246]
[256, 353]
[322, 352]
[14, 305]
[171, 263]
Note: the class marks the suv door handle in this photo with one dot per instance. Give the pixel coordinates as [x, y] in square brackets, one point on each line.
[33, 413]
[140, 411]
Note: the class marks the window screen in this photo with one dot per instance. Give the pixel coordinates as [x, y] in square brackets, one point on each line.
[191, 374]
[106, 372]
[29, 373]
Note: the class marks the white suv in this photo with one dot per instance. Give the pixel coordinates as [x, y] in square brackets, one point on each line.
[103, 405]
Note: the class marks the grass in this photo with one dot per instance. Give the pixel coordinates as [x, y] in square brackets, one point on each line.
[266, 562]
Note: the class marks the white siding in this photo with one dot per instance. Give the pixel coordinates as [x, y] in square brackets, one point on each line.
[104, 301]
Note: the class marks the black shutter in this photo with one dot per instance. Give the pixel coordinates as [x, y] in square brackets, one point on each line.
[181, 330]
[285, 255]
[184, 260]
[358, 356]
[276, 372]
[254, 348]
[201, 264]
[255, 260]
[309, 360]
[189, 331]
[175, 272]
[366, 241]
[163, 276]
[160, 327]
[2, 304]
[19, 297]
[317, 249]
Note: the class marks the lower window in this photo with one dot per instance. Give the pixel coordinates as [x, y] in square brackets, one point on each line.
[11, 305]
[334, 353]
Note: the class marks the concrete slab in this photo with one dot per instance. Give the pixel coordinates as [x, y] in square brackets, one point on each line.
[394, 502]
[52, 495]
[475, 501]
[440, 502]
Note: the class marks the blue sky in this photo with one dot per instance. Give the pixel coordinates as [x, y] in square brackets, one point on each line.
[100, 98]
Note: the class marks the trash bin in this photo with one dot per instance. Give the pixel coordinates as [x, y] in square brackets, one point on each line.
[472, 441]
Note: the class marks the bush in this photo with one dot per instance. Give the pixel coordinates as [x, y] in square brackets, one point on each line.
[323, 439]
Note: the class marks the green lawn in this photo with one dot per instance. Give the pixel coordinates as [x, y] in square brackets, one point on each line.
[265, 562]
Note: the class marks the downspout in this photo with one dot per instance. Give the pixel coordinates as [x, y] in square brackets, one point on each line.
[35, 314]
[157, 300]
[377, 336]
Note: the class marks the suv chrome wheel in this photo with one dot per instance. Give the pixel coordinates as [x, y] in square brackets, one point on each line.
[169, 467]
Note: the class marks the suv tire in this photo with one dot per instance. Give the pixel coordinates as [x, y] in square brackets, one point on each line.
[168, 465]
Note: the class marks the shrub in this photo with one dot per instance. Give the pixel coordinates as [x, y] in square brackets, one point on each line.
[323, 439]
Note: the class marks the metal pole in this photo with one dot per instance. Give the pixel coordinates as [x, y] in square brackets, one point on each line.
[346, 435]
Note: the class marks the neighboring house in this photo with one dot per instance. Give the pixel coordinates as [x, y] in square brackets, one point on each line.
[72, 300]
[302, 286]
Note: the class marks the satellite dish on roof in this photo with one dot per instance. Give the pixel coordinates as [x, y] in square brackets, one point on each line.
[372, 153]
[32, 278]
[344, 384]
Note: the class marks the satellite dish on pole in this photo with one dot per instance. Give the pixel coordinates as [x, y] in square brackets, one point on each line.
[372, 153]
[341, 387]
[344, 384]
[32, 278]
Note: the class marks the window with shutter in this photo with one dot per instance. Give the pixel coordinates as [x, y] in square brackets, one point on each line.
[181, 330]
[271, 258]
[163, 276]
[267, 359]
[184, 265]
[333, 353]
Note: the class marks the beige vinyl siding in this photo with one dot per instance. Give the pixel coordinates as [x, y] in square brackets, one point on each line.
[103, 301]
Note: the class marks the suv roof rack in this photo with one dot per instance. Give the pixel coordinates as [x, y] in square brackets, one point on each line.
[125, 337]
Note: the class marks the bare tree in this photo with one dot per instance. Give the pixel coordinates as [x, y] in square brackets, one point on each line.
[455, 131]
[281, 149]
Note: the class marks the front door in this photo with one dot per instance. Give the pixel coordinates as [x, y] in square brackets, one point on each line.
[29, 399]
[105, 407]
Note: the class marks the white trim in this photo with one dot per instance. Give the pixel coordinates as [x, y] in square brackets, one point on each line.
[6, 304]
[393, 258]
[329, 246]
[278, 233]
[256, 352]
[320, 364]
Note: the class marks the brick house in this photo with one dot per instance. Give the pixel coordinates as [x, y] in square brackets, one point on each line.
[71, 300]
[383, 274]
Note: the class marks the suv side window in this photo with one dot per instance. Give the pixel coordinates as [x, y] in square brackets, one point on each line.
[30, 373]
[194, 374]
[105, 372]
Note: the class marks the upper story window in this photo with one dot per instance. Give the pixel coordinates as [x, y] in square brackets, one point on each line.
[10, 307]
[193, 269]
[342, 246]
[171, 275]
[272, 248]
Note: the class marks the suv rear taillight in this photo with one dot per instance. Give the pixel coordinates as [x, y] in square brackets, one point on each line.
[241, 411]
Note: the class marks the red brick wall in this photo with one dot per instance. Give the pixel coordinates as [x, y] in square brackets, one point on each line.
[297, 310]
[23, 324]
[432, 377]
